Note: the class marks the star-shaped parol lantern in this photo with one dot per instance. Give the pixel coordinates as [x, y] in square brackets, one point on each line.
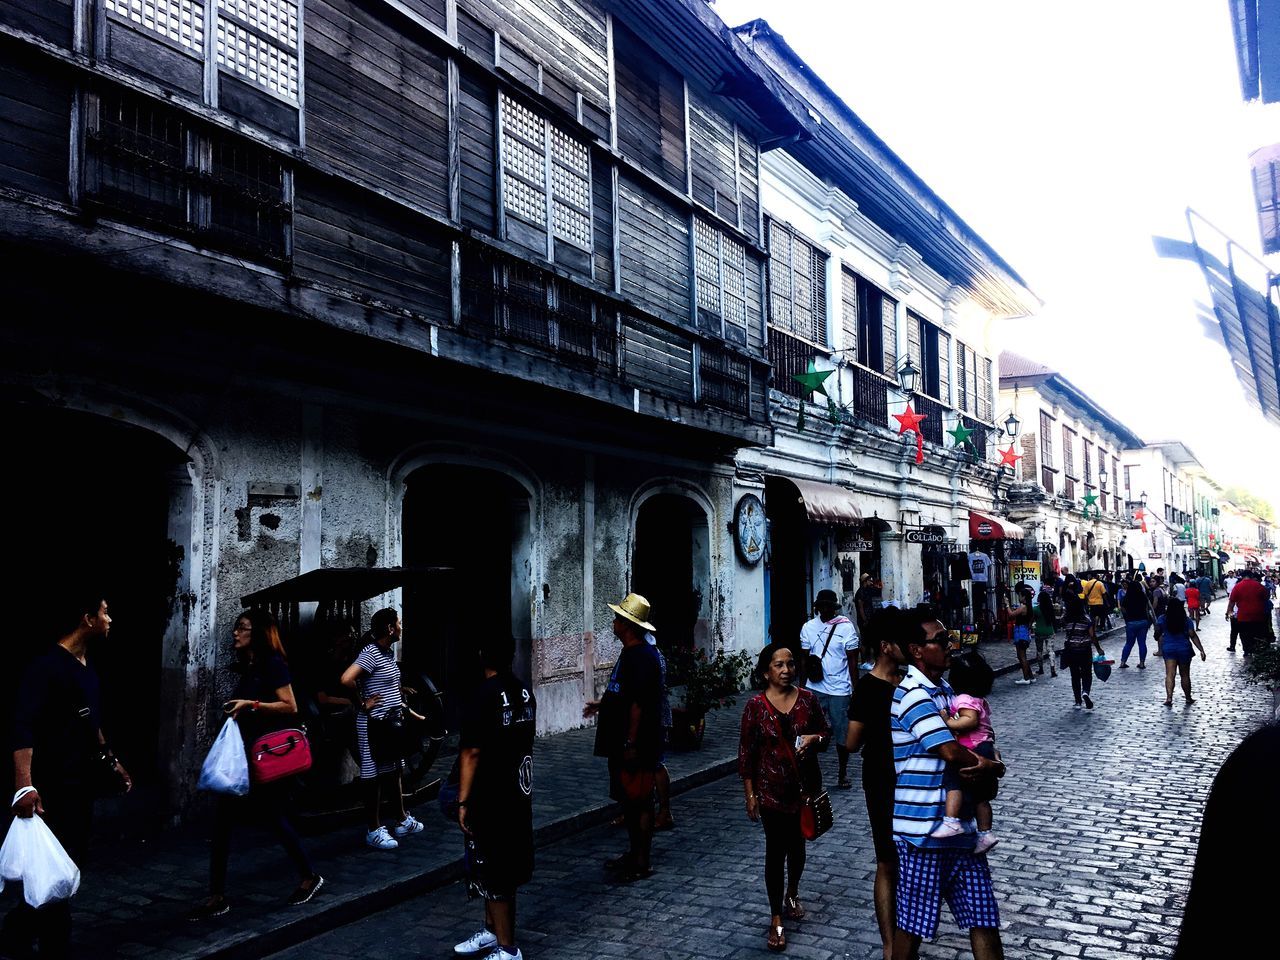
[1091, 500]
[910, 420]
[1009, 458]
[814, 381]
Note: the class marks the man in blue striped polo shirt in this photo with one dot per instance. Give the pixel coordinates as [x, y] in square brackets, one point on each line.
[929, 868]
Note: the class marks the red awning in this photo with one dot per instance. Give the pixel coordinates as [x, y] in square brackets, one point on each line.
[982, 527]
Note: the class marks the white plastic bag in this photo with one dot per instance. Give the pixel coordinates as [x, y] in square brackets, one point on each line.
[226, 768]
[32, 855]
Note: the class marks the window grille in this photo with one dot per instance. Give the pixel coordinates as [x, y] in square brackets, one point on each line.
[182, 21]
[258, 39]
[571, 189]
[720, 266]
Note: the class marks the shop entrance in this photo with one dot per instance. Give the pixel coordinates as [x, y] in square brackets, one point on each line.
[89, 502]
[671, 568]
[475, 523]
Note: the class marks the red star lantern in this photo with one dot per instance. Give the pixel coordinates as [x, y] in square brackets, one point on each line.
[910, 420]
[1009, 458]
[1141, 516]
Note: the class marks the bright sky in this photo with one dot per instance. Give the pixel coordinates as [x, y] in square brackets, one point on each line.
[1067, 135]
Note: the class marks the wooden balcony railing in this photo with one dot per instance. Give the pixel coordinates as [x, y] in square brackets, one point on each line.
[511, 300]
[981, 437]
[789, 356]
[932, 425]
[870, 396]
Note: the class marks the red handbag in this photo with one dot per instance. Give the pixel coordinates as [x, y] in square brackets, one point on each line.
[281, 753]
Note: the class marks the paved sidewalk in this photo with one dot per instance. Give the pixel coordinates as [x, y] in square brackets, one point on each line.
[134, 897]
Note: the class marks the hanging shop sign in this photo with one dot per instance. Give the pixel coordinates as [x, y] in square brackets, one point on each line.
[1183, 542]
[847, 542]
[1155, 556]
[926, 536]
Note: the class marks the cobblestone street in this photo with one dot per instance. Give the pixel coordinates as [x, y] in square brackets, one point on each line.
[1099, 818]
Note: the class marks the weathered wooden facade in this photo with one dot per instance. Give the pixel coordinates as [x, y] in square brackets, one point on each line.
[476, 283]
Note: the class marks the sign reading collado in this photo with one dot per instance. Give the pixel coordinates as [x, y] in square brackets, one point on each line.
[927, 536]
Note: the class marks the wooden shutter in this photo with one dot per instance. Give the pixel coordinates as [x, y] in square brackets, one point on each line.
[714, 148]
[944, 367]
[650, 108]
[818, 304]
[849, 309]
[1046, 439]
[914, 349]
[889, 326]
[985, 399]
[1068, 452]
[780, 293]
[1088, 462]
[1030, 470]
[749, 182]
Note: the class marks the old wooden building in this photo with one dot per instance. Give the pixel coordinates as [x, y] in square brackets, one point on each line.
[475, 285]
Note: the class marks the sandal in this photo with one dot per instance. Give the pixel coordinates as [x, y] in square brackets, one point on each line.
[776, 940]
[1168, 703]
[620, 864]
[791, 909]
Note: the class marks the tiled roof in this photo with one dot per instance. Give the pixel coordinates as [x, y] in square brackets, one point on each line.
[1015, 365]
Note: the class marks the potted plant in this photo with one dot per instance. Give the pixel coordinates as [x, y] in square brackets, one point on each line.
[702, 683]
[1263, 668]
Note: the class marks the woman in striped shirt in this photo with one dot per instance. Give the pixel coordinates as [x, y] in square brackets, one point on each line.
[376, 677]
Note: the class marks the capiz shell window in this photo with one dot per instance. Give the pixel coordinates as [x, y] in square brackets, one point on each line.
[258, 40]
[182, 21]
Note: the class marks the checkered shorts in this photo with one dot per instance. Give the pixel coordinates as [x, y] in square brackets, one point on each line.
[926, 876]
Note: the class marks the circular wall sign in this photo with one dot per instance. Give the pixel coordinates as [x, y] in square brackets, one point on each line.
[749, 529]
[984, 529]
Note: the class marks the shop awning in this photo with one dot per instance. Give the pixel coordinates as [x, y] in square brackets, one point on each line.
[827, 503]
[982, 527]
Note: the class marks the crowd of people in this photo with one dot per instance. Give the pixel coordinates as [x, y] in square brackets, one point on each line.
[930, 764]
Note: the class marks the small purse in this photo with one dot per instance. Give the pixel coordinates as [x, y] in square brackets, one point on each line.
[813, 663]
[816, 815]
[279, 754]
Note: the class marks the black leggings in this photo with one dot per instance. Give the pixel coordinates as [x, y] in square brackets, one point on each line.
[783, 845]
[1081, 665]
[265, 804]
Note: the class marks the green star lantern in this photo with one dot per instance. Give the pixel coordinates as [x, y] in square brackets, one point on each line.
[1091, 500]
[960, 434]
[814, 381]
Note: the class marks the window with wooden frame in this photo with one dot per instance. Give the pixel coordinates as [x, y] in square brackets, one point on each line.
[258, 41]
[724, 165]
[966, 379]
[720, 272]
[1088, 463]
[929, 348]
[1046, 439]
[869, 318]
[546, 181]
[797, 285]
[986, 390]
[1068, 452]
[1115, 480]
[181, 21]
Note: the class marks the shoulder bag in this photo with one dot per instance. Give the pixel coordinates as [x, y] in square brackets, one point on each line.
[816, 815]
[813, 663]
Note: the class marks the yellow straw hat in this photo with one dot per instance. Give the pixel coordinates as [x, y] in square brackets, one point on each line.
[634, 608]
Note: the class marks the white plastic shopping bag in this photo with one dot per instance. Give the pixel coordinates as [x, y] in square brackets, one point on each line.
[32, 856]
[226, 768]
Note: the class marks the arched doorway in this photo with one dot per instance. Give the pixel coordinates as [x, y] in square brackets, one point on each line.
[96, 505]
[671, 568]
[475, 524]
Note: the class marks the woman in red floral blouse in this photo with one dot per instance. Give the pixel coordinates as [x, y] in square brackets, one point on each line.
[782, 728]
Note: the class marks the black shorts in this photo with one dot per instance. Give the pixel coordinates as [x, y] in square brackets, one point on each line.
[497, 866]
[984, 789]
[880, 813]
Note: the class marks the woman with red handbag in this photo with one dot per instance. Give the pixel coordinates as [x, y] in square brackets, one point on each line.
[782, 728]
[265, 709]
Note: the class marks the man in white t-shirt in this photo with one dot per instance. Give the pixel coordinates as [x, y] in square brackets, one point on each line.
[834, 639]
[1229, 585]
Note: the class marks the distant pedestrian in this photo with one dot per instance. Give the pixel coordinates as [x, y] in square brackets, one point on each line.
[1205, 584]
[1193, 606]
[1137, 621]
[629, 733]
[1045, 629]
[1159, 600]
[1228, 586]
[833, 640]
[866, 600]
[1093, 592]
[1248, 602]
[495, 796]
[1079, 636]
[931, 870]
[1179, 637]
[783, 727]
[264, 702]
[971, 678]
[869, 731]
[61, 763]
[1022, 617]
[376, 677]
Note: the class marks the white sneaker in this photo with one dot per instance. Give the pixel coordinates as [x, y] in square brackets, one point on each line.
[985, 842]
[1078, 706]
[408, 826]
[380, 840]
[949, 828]
[1023, 682]
[500, 954]
[482, 939]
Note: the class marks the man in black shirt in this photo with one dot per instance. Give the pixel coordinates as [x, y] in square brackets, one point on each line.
[495, 790]
[870, 728]
[60, 763]
[629, 731]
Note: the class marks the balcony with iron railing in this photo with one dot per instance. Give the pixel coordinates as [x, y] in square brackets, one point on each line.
[513, 301]
[935, 413]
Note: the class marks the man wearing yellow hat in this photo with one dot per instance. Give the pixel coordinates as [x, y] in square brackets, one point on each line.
[629, 731]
